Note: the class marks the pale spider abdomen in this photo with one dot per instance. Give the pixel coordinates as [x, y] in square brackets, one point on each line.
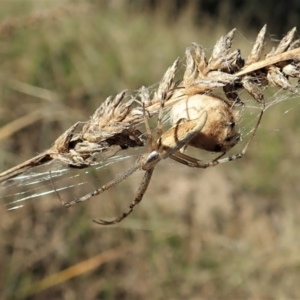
[220, 132]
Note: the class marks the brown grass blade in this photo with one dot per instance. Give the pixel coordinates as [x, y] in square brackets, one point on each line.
[74, 271]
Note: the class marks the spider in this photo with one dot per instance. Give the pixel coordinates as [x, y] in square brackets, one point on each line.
[161, 146]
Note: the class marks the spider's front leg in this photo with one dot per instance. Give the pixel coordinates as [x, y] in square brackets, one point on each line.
[181, 134]
[104, 188]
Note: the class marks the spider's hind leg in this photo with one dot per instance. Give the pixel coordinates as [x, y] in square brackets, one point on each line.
[138, 198]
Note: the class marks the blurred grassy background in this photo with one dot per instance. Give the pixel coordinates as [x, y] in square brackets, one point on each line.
[230, 232]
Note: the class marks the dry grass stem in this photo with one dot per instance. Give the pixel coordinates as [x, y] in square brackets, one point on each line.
[76, 270]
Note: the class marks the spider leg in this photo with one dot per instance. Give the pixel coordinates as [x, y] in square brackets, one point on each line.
[221, 155]
[62, 201]
[138, 198]
[191, 161]
[159, 129]
[196, 163]
[178, 136]
[104, 188]
[148, 129]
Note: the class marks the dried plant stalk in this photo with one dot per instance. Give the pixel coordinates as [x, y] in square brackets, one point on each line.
[114, 123]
